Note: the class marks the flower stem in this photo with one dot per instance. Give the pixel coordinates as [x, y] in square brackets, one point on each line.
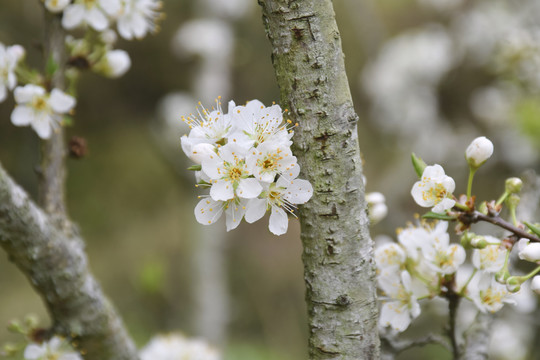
[453, 303]
[472, 171]
[462, 291]
[502, 198]
[530, 275]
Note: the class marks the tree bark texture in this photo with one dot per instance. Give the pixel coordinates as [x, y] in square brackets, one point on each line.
[56, 265]
[338, 251]
[477, 336]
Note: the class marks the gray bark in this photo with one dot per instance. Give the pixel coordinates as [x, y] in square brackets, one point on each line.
[338, 252]
[57, 267]
[477, 336]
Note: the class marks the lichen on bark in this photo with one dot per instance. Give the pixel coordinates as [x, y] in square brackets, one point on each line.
[338, 252]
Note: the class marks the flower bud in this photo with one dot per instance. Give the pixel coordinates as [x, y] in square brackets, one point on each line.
[479, 151]
[466, 240]
[483, 208]
[479, 242]
[502, 275]
[531, 252]
[513, 284]
[114, 64]
[513, 185]
[535, 284]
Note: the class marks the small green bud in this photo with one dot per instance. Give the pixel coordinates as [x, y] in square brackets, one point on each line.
[10, 349]
[502, 275]
[512, 201]
[513, 284]
[16, 327]
[513, 185]
[31, 321]
[483, 208]
[479, 242]
[466, 240]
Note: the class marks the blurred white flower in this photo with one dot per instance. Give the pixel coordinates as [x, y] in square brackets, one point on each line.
[434, 189]
[443, 257]
[535, 284]
[39, 109]
[389, 258]
[230, 9]
[491, 258]
[114, 63]
[377, 208]
[56, 348]
[56, 6]
[9, 58]
[176, 347]
[204, 37]
[530, 252]
[94, 13]
[400, 306]
[137, 18]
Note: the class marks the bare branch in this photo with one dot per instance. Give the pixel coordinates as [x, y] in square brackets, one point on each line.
[56, 265]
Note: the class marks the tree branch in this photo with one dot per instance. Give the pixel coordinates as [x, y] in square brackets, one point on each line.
[338, 252]
[477, 338]
[56, 265]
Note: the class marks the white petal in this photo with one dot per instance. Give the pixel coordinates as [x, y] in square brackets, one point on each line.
[138, 25]
[434, 172]
[55, 343]
[200, 151]
[124, 28]
[111, 7]
[33, 351]
[73, 16]
[256, 209]
[24, 94]
[212, 166]
[70, 356]
[42, 125]
[61, 102]
[11, 81]
[279, 221]
[299, 192]
[118, 62]
[56, 6]
[22, 115]
[222, 190]
[208, 211]
[234, 215]
[249, 188]
[97, 19]
[396, 315]
[3, 92]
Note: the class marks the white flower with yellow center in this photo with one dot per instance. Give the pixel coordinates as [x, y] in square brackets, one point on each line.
[491, 258]
[208, 126]
[256, 124]
[137, 18]
[279, 197]
[54, 349]
[95, 13]
[208, 211]
[487, 294]
[389, 258]
[400, 305]
[39, 109]
[9, 57]
[56, 6]
[268, 160]
[434, 189]
[229, 174]
[440, 255]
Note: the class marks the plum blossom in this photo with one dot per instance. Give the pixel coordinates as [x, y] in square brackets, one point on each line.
[401, 305]
[95, 13]
[114, 63]
[487, 294]
[434, 189]
[490, 259]
[9, 58]
[41, 110]
[389, 258]
[208, 211]
[176, 346]
[376, 207]
[529, 251]
[442, 256]
[55, 348]
[479, 151]
[268, 160]
[137, 18]
[279, 197]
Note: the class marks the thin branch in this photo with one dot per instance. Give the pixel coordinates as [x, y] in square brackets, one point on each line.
[476, 216]
[57, 267]
[397, 347]
[453, 304]
[477, 338]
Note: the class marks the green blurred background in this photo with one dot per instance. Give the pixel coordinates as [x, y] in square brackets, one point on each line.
[135, 210]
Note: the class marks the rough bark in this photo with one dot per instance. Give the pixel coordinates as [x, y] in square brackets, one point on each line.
[338, 251]
[477, 338]
[57, 267]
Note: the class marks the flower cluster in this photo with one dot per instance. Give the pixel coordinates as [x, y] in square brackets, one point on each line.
[425, 264]
[176, 346]
[56, 348]
[244, 158]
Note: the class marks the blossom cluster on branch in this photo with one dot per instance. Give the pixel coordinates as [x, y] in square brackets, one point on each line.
[45, 108]
[244, 158]
[424, 264]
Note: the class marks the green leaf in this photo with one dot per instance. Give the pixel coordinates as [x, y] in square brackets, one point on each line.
[195, 168]
[433, 215]
[51, 66]
[418, 164]
[535, 229]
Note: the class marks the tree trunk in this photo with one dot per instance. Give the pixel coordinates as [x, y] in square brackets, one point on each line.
[338, 252]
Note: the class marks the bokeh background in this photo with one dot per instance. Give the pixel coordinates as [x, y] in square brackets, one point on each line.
[427, 76]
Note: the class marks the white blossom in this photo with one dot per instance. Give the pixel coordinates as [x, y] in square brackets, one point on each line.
[487, 294]
[479, 151]
[9, 58]
[95, 13]
[389, 258]
[442, 256]
[55, 348]
[377, 208]
[208, 211]
[114, 63]
[269, 159]
[56, 6]
[535, 284]
[434, 189]
[137, 18]
[491, 258]
[530, 252]
[400, 305]
[176, 347]
[279, 197]
[39, 109]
